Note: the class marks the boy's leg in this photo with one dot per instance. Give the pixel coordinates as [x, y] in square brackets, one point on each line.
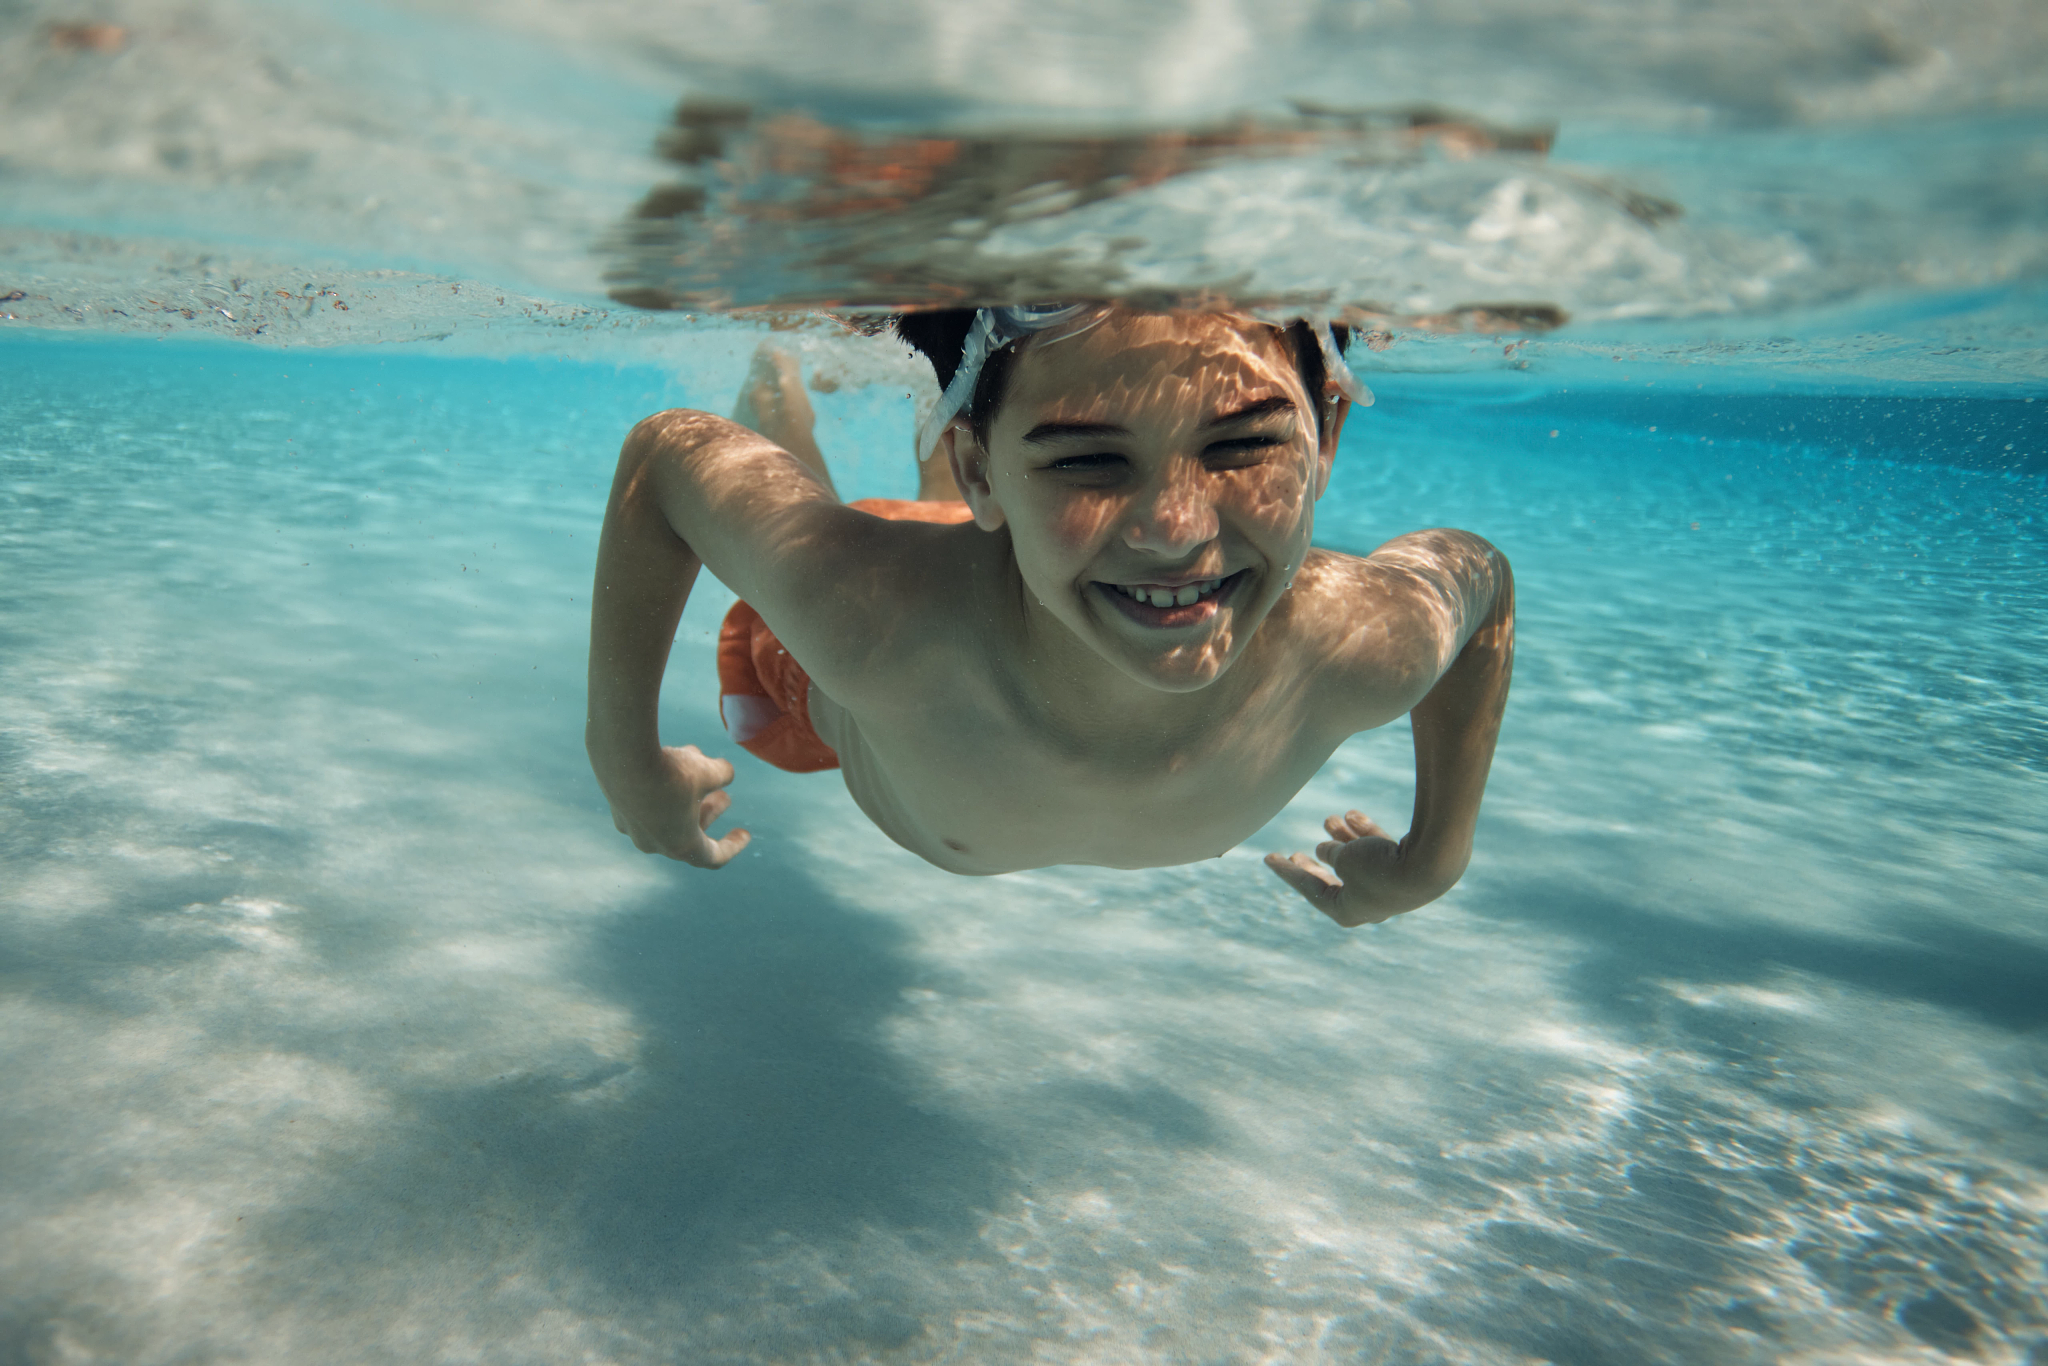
[772, 402]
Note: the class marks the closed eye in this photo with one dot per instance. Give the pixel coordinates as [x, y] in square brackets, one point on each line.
[1242, 450]
[1100, 462]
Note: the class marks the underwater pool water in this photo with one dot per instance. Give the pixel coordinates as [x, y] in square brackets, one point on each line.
[340, 1026]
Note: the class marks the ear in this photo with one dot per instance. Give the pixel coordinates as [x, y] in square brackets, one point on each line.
[970, 472]
[1326, 452]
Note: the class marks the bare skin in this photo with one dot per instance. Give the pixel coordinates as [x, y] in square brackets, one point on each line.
[1011, 694]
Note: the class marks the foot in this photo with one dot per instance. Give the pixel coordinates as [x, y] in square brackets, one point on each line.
[772, 402]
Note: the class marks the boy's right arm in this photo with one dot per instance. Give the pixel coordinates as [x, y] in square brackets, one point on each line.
[1438, 641]
[687, 482]
[663, 798]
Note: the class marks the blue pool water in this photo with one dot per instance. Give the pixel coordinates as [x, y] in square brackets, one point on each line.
[338, 1025]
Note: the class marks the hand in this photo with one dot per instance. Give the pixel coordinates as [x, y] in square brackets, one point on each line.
[668, 806]
[1376, 878]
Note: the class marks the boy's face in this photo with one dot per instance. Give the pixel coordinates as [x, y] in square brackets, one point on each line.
[1158, 475]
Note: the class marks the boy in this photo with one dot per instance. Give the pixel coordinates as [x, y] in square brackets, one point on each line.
[1131, 657]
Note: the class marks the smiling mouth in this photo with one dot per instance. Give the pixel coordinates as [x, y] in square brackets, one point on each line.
[1188, 604]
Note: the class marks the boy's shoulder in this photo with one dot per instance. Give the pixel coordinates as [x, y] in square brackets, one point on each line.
[898, 585]
[1379, 629]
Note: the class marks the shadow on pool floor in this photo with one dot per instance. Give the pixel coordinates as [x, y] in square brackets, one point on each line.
[762, 1120]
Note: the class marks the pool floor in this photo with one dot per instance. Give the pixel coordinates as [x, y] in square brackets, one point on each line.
[338, 1024]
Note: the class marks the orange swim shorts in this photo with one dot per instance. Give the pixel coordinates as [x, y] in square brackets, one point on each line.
[764, 694]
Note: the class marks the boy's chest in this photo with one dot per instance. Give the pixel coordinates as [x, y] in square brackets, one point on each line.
[971, 790]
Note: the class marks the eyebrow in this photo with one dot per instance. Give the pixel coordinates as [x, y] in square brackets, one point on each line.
[1046, 432]
[1279, 403]
[1060, 431]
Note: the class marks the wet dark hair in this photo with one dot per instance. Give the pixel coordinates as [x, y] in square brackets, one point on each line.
[941, 334]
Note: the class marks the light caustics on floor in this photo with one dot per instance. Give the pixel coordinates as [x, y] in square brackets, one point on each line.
[340, 1026]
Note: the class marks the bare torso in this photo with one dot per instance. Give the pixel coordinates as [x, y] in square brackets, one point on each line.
[957, 762]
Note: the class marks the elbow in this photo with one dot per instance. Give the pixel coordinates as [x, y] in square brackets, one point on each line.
[1493, 566]
[1490, 596]
[1503, 572]
[664, 431]
[662, 448]
[1500, 617]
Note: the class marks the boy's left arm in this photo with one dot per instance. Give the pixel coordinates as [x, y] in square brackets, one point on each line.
[1461, 592]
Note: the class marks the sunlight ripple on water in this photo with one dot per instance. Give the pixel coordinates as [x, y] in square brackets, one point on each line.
[1850, 189]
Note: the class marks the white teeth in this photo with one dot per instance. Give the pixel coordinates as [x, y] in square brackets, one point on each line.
[1184, 596]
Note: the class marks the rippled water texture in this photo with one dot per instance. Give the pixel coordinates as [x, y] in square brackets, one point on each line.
[1854, 188]
[339, 1025]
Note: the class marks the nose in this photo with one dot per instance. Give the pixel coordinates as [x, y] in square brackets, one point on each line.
[1171, 515]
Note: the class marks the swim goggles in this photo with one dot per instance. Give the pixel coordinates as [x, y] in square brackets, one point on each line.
[995, 328]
